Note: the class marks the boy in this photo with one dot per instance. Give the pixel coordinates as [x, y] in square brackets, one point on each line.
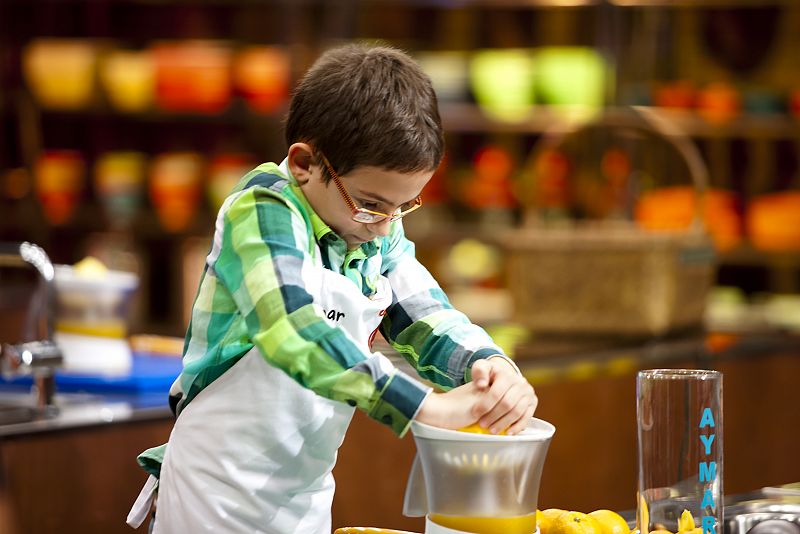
[309, 261]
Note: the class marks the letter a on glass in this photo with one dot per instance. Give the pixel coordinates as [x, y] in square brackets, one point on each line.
[708, 418]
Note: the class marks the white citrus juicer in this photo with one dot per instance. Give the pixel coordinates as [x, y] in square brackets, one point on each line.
[477, 483]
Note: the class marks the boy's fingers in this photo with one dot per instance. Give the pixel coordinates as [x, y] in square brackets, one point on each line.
[522, 423]
[517, 399]
[490, 397]
[506, 404]
[510, 417]
[481, 373]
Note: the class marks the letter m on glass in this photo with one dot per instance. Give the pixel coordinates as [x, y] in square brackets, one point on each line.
[708, 471]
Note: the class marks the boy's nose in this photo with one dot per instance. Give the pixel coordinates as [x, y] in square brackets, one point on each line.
[381, 228]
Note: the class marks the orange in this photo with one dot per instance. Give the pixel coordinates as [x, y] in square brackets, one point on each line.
[520, 524]
[475, 428]
[576, 523]
[612, 522]
[545, 518]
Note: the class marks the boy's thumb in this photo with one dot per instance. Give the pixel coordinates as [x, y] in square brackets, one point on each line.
[480, 373]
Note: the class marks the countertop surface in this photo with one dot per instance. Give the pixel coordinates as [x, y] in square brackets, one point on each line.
[87, 401]
[84, 399]
[79, 410]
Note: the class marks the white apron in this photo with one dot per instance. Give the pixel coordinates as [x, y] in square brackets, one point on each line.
[254, 451]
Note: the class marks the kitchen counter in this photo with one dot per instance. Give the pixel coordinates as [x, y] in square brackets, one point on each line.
[74, 468]
[79, 411]
[85, 399]
[542, 360]
[550, 359]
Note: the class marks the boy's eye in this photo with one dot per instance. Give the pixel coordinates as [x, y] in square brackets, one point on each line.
[372, 206]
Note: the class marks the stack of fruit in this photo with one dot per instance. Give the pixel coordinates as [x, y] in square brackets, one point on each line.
[558, 521]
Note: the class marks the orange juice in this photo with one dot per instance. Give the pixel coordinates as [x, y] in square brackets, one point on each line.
[518, 524]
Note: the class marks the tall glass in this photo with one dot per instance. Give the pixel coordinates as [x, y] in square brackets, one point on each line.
[679, 415]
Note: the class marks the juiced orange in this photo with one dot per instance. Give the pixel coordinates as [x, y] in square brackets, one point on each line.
[520, 524]
[475, 428]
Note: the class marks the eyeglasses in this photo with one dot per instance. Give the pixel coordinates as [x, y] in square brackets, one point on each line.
[363, 215]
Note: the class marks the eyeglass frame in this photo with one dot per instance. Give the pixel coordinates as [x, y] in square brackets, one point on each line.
[356, 210]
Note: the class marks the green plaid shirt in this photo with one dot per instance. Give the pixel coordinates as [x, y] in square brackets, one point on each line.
[253, 294]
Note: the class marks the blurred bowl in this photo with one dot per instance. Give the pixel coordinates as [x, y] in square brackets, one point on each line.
[175, 187]
[449, 73]
[193, 75]
[573, 77]
[128, 79]
[773, 221]
[60, 72]
[502, 81]
[675, 208]
[262, 75]
[119, 182]
[93, 301]
[225, 171]
[58, 181]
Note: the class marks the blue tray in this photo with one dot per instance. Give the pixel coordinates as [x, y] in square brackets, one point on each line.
[148, 374]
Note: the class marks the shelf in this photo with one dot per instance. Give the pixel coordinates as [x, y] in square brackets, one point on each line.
[700, 3]
[776, 126]
[236, 113]
[450, 4]
[443, 4]
[746, 255]
[469, 118]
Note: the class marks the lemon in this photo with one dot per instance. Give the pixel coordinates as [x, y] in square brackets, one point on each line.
[642, 516]
[576, 523]
[686, 522]
[612, 522]
[545, 518]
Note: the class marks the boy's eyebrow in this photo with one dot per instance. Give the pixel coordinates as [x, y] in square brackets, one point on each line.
[376, 196]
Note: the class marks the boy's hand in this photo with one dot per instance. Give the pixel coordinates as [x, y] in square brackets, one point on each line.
[454, 409]
[508, 400]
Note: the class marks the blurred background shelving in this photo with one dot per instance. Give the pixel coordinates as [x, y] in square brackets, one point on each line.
[123, 123]
[723, 72]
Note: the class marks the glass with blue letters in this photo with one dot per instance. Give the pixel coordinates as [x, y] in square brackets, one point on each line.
[679, 419]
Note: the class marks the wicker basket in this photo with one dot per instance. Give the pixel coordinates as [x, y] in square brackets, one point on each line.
[612, 278]
[608, 281]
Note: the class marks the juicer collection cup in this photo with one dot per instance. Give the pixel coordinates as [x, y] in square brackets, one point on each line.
[459, 475]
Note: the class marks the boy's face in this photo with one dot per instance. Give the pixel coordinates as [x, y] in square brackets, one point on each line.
[371, 188]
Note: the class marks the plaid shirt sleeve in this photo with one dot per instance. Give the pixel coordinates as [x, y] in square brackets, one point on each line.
[438, 340]
[262, 256]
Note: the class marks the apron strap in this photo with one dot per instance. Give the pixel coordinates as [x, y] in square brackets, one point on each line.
[144, 503]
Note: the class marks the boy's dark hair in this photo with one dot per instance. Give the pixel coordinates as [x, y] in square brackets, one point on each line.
[368, 105]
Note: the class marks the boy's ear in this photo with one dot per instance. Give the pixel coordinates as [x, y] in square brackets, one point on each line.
[301, 158]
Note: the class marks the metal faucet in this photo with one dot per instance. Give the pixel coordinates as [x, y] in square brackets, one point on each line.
[38, 359]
